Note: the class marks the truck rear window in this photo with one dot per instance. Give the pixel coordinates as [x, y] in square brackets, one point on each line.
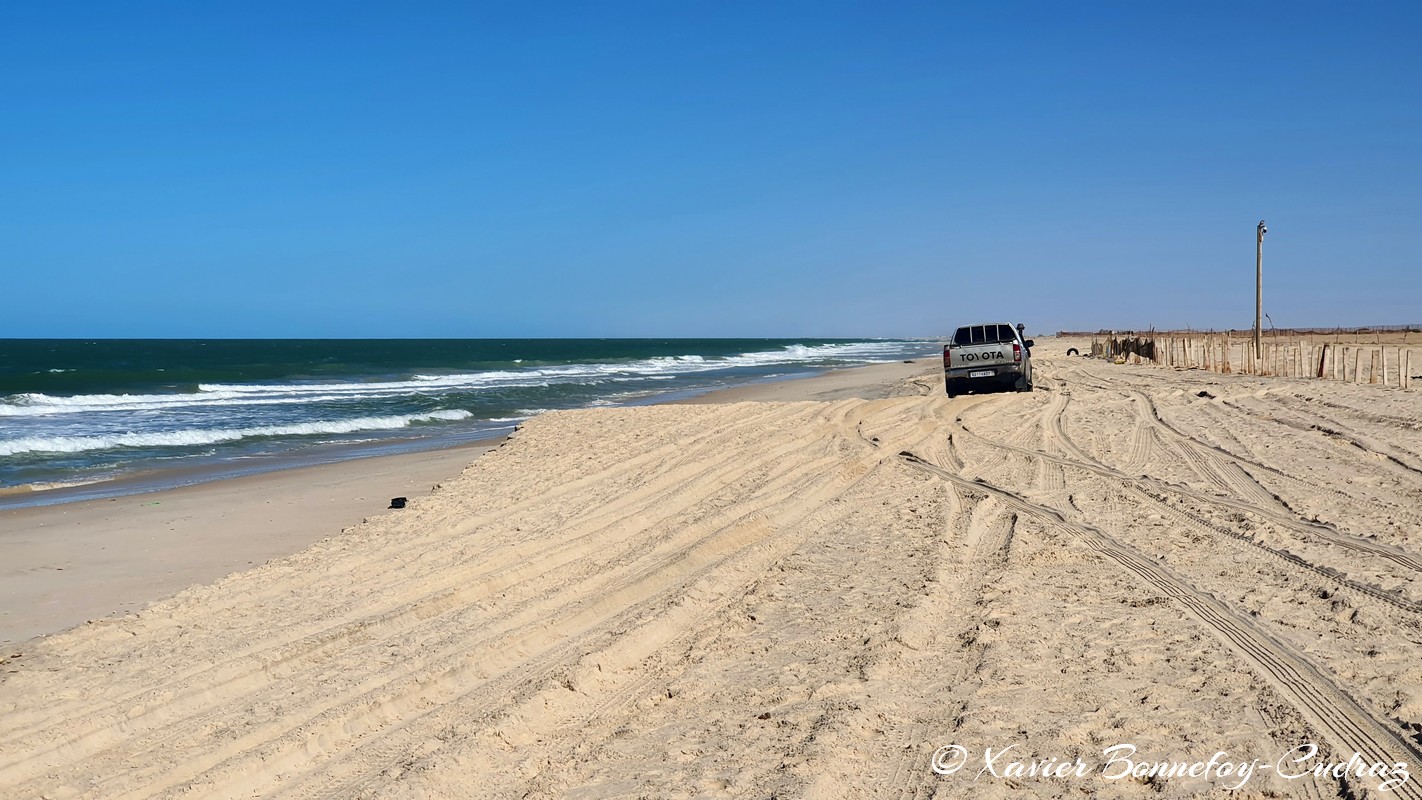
[984, 334]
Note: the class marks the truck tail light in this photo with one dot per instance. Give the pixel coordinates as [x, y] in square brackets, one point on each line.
[947, 359]
[1017, 352]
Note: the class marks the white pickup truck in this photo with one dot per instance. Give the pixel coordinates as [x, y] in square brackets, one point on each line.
[991, 355]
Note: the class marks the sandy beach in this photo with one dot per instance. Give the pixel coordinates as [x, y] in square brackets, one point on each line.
[70, 563]
[812, 588]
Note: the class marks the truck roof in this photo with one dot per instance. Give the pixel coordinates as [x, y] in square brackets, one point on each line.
[985, 333]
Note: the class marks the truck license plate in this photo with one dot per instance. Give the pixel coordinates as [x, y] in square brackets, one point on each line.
[981, 373]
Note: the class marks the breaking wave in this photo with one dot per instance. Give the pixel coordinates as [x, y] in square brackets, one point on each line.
[659, 368]
[191, 437]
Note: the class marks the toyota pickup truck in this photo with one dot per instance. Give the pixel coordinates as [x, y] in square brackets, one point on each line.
[991, 355]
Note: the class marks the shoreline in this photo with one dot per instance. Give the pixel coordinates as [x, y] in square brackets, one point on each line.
[77, 560]
[157, 480]
[72, 562]
[153, 481]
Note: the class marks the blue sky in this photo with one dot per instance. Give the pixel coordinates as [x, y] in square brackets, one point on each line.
[736, 169]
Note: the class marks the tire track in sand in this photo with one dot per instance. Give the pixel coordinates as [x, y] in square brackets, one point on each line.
[1319, 530]
[1157, 492]
[451, 591]
[1347, 724]
[298, 641]
[647, 604]
[802, 468]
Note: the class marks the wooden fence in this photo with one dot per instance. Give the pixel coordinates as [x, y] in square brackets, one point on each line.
[1382, 364]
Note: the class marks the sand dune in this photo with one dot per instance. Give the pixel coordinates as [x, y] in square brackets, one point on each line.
[800, 599]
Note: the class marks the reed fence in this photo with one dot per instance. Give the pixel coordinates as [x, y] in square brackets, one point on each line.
[1303, 357]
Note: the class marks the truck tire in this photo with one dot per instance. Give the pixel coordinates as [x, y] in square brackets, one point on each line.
[1072, 351]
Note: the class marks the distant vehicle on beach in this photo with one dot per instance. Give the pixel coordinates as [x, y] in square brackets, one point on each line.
[991, 355]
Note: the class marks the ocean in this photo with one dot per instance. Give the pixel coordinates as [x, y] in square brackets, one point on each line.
[95, 417]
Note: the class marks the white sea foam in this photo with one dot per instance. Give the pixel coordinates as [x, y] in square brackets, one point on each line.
[192, 437]
[44, 486]
[658, 368]
[40, 405]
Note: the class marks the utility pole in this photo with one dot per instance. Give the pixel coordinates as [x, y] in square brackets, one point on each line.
[1259, 286]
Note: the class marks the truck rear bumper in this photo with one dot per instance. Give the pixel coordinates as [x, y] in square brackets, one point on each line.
[968, 379]
[994, 372]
